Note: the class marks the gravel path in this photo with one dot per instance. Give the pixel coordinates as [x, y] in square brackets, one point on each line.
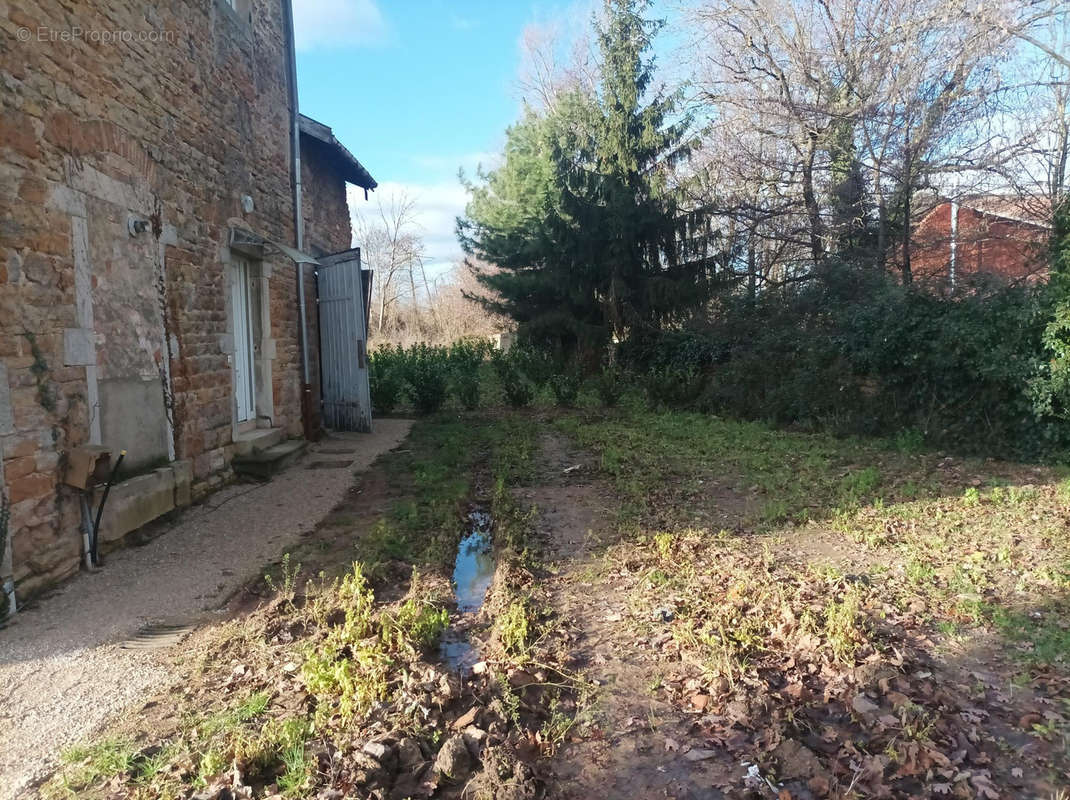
[62, 673]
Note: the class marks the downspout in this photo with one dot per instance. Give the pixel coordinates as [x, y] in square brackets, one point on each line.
[7, 580]
[299, 219]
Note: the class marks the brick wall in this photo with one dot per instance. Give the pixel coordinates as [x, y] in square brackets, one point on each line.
[93, 131]
[985, 244]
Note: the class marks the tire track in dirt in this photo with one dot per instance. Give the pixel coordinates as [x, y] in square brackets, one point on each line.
[627, 743]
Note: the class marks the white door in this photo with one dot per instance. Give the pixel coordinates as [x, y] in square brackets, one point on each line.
[244, 394]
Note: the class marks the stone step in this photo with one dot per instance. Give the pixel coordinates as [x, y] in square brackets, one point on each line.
[263, 464]
[259, 439]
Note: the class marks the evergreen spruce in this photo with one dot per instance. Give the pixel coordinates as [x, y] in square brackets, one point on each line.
[581, 218]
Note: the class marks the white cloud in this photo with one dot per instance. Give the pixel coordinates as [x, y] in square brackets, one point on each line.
[338, 23]
[460, 23]
[466, 161]
[437, 206]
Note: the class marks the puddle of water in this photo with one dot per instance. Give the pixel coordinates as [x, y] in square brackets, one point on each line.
[473, 572]
[474, 568]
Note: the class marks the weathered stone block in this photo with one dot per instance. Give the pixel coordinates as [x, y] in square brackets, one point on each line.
[79, 347]
[30, 486]
[135, 502]
[183, 482]
[17, 467]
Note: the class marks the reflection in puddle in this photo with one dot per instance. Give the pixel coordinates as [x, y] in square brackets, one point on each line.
[473, 572]
[474, 568]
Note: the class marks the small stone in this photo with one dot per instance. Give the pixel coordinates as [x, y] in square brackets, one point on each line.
[409, 753]
[518, 678]
[474, 733]
[664, 614]
[863, 705]
[479, 667]
[474, 738]
[453, 760]
[377, 750]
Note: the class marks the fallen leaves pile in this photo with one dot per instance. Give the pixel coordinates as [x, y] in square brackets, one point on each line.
[830, 686]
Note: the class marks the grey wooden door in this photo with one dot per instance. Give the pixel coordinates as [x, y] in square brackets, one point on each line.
[343, 345]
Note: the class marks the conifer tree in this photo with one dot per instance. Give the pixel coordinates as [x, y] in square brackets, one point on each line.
[581, 217]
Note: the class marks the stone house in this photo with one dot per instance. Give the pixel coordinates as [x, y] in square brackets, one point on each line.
[160, 202]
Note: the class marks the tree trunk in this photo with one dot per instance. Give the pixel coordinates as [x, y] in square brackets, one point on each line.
[908, 275]
[752, 276]
[810, 199]
[882, 232]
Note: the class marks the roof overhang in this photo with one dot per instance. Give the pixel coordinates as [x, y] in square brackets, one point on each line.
[256, 246]
[351, 170]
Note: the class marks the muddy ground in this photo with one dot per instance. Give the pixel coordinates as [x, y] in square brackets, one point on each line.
[649, 632]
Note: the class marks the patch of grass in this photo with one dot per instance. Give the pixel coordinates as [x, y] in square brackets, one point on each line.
[347, 671]
[858, 486]
[801, 475]
[842, 626]
[297, 769]
[1039, 637]
[253, 706]
[909, 442]
[96, 762]
[514, 628]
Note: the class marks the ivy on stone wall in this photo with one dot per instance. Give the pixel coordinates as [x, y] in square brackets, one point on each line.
[46, 393]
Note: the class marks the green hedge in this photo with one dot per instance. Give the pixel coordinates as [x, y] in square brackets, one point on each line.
[862, 354]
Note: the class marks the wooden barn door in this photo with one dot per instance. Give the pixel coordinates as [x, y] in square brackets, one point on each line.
[343, 344]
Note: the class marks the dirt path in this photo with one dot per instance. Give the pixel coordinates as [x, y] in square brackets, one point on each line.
[628, 742]
[63, 673]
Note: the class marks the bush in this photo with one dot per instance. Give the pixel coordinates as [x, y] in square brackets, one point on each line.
[537, 365]
[426, 370]
[566, 387]
[386, 377]
[516, 387]
[674, 386]
[466, 357]
[861, 354]
[609, 385]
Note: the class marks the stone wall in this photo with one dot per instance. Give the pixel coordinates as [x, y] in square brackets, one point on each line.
[168, 127]
[328, 227]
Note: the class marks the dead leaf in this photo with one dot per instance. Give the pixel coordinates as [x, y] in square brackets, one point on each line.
[699, 754]
[700, 701]
[466, 719]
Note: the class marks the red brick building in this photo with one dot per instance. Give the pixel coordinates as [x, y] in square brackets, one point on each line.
[150, 218]
[990, 235]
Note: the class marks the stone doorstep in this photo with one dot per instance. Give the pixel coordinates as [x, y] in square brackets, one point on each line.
[263, 464]
[259, 439]
[143, 498]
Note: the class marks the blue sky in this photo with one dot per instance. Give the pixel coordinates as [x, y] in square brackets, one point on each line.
[417, 89]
